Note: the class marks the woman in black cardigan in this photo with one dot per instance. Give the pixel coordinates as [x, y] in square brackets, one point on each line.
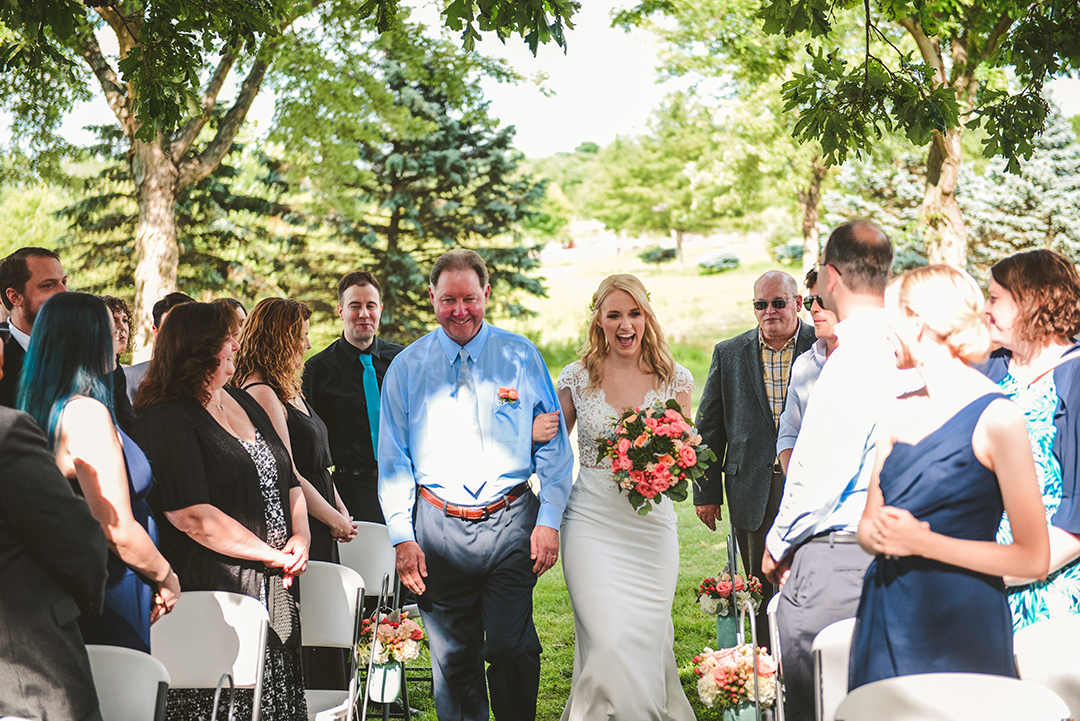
[236, 515]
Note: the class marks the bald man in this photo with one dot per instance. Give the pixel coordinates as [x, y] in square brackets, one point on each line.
[739, 416]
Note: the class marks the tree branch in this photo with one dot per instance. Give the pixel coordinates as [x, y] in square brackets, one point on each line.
[930, 52]
[994, 38]
[187, 135]
[115, 94]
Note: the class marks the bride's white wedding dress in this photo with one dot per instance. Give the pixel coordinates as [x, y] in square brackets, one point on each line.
[621, 569]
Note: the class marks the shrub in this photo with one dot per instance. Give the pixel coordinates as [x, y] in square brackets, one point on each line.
[718, 262]
[657, 255]
[789, 253]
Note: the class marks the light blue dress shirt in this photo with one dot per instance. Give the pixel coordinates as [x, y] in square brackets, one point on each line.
[420, 429]
[833, 460]
[804, 374]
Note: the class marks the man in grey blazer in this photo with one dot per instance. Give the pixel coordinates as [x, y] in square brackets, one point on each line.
[52, 566]
[739, 414]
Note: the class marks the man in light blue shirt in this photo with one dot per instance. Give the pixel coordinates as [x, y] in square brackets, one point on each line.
[455, 457]
[811, 547]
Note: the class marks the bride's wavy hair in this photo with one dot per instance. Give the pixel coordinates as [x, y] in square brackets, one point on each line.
[950, 303]
[655, 358]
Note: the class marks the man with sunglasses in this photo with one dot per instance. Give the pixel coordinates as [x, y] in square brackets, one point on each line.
[739, 415]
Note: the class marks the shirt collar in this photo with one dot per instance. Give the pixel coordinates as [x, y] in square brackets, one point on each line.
[475, 346]
[872, 321]
[22, 338]
[354, 353]
[791, 341]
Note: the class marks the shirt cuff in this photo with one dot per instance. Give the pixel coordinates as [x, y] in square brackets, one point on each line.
[400, 532]
[549, 516]
[784, 444]
[776, 546]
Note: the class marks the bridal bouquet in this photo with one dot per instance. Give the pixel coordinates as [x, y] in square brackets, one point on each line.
[393, 637]
[726, 677]
[714, 595]
[655, 450]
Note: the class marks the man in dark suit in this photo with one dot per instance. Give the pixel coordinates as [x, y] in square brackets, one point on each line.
[342, 383]
[52, 562]
[28, 278]
[739, 414]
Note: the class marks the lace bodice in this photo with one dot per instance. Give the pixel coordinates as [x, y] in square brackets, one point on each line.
[595, 416]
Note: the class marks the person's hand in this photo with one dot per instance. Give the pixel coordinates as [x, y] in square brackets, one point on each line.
[709, 514]
[166, 596]
[895, 532]
[545, 426]
[545, 549]
[344, 529]
[411, 566]
[776, 571]
[297, 550]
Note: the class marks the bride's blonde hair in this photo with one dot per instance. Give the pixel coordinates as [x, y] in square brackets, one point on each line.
[950, 303]
[655, 357]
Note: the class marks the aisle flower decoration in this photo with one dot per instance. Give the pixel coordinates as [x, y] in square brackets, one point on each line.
[394, 637]
[726, 677]
[714, 595]
[654, 450]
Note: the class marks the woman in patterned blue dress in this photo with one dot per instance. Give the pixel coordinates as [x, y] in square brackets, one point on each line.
[1034, 312]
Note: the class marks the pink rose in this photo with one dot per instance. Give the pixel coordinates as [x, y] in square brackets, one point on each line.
[625, 463]
[637, 477]
[672, 415]
[687, 457]
[624, 446]
[615, 467]
[660, 469]
[651, 424]
[724, 587]
[685, 427]
[766, 666]
[738, 583]
[725, 659]
[645, 489]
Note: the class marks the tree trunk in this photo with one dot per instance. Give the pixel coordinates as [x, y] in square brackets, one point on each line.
[943, 223]
[810, 199]
[156, 252]
[677, 235]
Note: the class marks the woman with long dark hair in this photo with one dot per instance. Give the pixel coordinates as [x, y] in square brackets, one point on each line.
[66, 385]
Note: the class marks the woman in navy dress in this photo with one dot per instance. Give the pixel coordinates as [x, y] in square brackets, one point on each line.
[66, 387]
[950, 458]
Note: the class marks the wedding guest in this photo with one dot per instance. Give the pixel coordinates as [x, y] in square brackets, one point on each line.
[121, 314]
[135, 373]
[272, 346]
[949, 458]
[236, 515]
[624, 664]
[811, 548]
[739, 418]
[53, 564]
[236, 306]
[1034, 312]
[65, 386]
[470, 536]
[342, 383]
[28, 278]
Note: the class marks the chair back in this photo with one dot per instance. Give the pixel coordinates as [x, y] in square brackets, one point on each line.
[831, 650]
[331, 599]
[370, 554]
[774, 647]
[131, 685]
[952, 697]
[1046, 653]
[211, 633]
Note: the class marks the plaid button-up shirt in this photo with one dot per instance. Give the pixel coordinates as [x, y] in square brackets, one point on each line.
[776, 366]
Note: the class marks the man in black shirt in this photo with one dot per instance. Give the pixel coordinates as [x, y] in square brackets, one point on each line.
[336, 387]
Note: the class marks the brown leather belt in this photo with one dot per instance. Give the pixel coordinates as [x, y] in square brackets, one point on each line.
[474, 513]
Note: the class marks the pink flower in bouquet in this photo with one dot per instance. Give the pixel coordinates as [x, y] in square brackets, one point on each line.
[625, 463]
[725, 659]
[738, 583]
[685, 427]
[724, 587]
[766, 666]
[651, 423]
[637, 477]
[615, 466]
[687, 457]
[646, 489]
[660, 470]
[694, 440]
[672, 415]
[624, 446]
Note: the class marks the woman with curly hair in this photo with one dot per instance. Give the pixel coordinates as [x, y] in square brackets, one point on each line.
[624, 664]
[236, 515]
[1034, 310]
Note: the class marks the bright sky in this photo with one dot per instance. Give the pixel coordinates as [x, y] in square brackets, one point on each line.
[602, 87]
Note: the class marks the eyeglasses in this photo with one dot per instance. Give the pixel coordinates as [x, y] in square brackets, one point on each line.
[809, 300]
[778, 303]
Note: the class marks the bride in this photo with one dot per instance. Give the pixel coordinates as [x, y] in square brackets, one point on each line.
[620, 567]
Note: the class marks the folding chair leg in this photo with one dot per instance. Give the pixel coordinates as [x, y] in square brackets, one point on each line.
[405, 693]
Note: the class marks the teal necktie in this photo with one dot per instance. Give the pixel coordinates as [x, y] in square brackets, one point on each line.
[371, 398]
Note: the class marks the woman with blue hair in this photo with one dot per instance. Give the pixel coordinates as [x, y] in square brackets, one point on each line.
[66, 385]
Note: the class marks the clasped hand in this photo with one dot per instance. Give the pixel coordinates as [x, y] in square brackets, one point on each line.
[895, 532]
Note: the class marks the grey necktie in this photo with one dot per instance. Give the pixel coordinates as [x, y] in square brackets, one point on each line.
[466, 398]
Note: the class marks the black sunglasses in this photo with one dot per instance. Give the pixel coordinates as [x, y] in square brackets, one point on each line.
[778, 303]
[808, 301]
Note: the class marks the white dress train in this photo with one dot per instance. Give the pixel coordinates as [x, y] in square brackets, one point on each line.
[621, 570]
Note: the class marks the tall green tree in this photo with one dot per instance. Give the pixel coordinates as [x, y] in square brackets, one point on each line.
[175, 57]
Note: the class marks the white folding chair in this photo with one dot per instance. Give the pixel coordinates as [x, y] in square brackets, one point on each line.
[131, 685]
[1046, 653]
[774, 647]
[331, 607]
[831, 650]
[372, 556]
[210, 635]
[952, 697]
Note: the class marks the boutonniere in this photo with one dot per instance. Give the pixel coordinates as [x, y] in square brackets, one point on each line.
[508, 395]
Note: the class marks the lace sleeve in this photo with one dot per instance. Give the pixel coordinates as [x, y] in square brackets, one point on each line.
[571, 377]
[683, 382]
